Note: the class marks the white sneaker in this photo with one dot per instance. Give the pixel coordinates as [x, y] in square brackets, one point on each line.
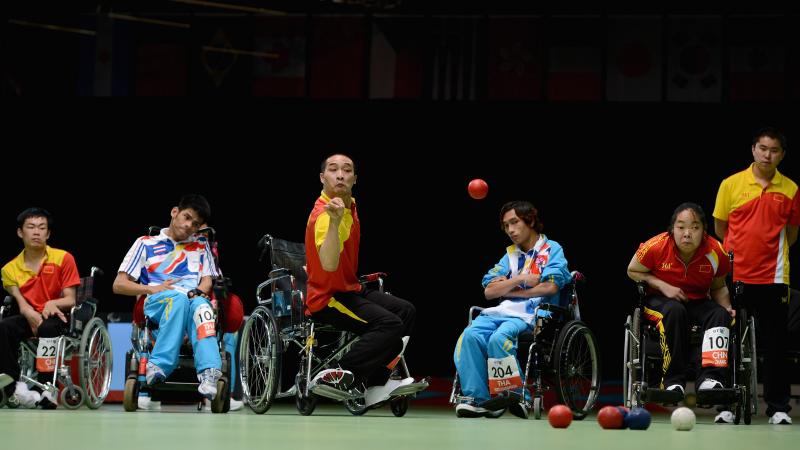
[710, 383]
[148, 404]
[25, 397]
[724, 417]
[337, 378]
[235, 405]
[48, 400]
[676, 387]
[780, 418]
[154, 374]
[208, 382]
[377, 394]
[469, 410]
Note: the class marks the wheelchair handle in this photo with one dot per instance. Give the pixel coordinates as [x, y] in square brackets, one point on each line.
[372, 277]
[210, 232]
[264, 243]
[96, 271]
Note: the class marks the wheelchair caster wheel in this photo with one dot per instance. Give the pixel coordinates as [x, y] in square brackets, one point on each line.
[130, 399]
[399, 406]
[356, 406]
[72, 397]
[537, 408]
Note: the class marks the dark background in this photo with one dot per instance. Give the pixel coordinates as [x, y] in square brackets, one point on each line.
[604, 175]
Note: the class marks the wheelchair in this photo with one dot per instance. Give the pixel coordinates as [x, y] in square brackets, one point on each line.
[183, 378]
[279, 327]
[563, 355]
[643, 361]
[86, 345]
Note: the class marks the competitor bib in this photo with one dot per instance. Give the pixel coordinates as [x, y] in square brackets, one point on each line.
[503, 374]
[715, 347]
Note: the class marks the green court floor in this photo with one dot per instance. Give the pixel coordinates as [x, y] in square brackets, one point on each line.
[332, 427]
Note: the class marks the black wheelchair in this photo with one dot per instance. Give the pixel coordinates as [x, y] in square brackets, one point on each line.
[563, 355]
[183, 379]
[86, 347]
[279, 327]
[643, 361]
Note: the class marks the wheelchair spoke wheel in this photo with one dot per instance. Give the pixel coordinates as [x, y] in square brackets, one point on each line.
[94, 370]
[577, 368]
[72, 397]
[259, 360]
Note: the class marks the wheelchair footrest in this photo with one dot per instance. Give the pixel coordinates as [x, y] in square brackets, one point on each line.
[411, 389]
[333, 393]
[662, 396]
[5, 380]
[717, 396]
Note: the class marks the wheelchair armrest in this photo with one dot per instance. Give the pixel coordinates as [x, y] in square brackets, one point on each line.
[8, 301]
[472, 313]
[372, 277]
[553, 308]
[275, 275]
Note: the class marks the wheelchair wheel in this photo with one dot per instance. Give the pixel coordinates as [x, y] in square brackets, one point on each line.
[3, 398]
[94, 370]
[130, 398]
[577, 368]
[749, 357]
[222, 401]
[260, 360]
[537, 408]
[356, 406]
[72, 397]
[399, 406]
[305, 404]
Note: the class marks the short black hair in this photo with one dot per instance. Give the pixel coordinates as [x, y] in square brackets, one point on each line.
[695, 208]
[34, 211]
[198, 203]
[770, 132]
[525, 211]
[325, 161]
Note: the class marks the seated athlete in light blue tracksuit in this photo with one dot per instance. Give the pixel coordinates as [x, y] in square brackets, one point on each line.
[174, 270]
[532, 271]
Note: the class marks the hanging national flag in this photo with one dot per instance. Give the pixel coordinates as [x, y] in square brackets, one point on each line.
[575, 58]
[694, 66]
[515, 59]
[396, 57]
[757, 59]
[284, 76]
[633, 71]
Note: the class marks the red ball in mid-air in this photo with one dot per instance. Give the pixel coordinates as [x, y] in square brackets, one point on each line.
[559, 416]
[478, 189]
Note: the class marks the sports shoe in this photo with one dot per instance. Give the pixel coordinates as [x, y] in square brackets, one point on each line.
[709, 383]
[208, 382]
[377, 394]
[724, 417]
[780, 418]
[154, 374]
[470, 410]
[49, 400]
[146, 403]
[235, 405]
[676, 387]
[337, 378]
[518, 409]
[25, 397]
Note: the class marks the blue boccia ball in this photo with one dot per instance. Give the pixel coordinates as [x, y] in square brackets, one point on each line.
[638, 419]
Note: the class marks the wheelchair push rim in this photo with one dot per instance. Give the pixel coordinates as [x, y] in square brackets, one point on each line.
[96, 363]
[259, 360]
[577, 368]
